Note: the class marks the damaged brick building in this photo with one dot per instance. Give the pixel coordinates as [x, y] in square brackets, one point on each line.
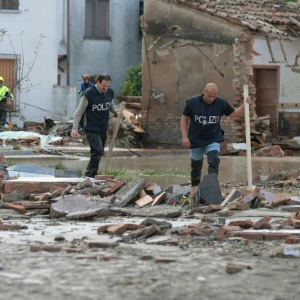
[188, 43]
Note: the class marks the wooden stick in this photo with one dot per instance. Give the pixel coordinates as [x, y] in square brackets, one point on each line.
[113, 138]
[248, 138]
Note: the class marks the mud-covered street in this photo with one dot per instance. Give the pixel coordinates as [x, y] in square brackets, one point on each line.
[195, 268]
[57, 258]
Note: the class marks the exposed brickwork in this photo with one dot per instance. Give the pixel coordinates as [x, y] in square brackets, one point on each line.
[162, 131]
[167, 131]
[42, 187]
[234, 132]
[243, 70]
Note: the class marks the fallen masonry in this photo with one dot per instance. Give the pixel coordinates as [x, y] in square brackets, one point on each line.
[239, 214]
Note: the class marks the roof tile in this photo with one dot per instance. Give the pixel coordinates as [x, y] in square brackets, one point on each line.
[257, 15]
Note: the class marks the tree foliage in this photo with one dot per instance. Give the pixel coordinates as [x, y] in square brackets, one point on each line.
[132, 85]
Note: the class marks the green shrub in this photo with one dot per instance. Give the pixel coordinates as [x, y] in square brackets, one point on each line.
[132, 86]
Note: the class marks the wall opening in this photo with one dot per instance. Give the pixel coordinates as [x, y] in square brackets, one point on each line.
[267, 91]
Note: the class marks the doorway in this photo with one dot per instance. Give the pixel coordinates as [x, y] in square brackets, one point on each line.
[266, 82]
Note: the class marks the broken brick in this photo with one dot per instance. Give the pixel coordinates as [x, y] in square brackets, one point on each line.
[145, 232]
[238, 206]
[146, 257]
[144, 201]
[248, 235]
[103, 245]
[270, 236]
[102, 229]
[19, 208]
[295, 219]
[8, 227]
[142, 193]
[73, 250]
[56, 192]
[131, 226]
[114, 185]
[164, 260]
[280, 201]
[224, 229]
[236, 268]
[267, 226]
[189, 231]
[117, 229]
[293, 239]
[243, 224]
[159, 198]
[104, 177]
[207, 219]
[213, 208]
[259, 224]
[47, 248]
[108, 258]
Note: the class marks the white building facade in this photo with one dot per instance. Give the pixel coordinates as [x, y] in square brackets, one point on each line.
[48, 45]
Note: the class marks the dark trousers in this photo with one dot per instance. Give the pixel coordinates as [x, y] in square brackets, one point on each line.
[3, 112]
[213, 161]
[97, 143]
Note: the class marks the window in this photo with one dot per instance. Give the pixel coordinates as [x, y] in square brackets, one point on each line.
[97, 19]
[9, 4]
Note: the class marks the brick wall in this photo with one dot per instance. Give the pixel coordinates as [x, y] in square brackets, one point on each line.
[234, 132]
[288, 124]
[166, 132]
[162, 131]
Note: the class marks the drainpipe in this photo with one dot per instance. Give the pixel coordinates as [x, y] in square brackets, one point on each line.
[68, 42]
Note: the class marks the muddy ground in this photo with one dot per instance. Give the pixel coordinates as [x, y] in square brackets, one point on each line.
[136, 269]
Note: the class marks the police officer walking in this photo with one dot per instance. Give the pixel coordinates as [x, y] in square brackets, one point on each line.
[92, 114]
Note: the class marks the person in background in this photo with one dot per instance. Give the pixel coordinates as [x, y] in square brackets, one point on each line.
[92, 114]
[95, 78]
[5, 97]
[202, 133]
[85, 84]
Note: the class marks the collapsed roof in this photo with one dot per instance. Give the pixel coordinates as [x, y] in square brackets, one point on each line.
[273, 18]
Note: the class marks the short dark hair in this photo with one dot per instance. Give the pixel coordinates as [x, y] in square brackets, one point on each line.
[102, 77]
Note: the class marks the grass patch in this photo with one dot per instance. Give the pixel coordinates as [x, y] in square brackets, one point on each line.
[132, 174]
[57, 166]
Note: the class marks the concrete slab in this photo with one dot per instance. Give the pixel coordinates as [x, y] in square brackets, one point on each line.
[79, 206]
[160, 211]
[261, 213]
[210, 190]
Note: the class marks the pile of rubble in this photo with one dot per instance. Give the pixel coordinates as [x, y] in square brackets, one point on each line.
[130, 133]
[241, 214]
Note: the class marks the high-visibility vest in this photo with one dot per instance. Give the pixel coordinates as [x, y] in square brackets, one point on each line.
[3, 90]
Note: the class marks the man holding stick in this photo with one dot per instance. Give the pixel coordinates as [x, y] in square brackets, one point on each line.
[201, 130]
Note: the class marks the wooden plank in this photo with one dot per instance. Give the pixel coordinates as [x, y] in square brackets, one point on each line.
[248, 137]
[113, 139]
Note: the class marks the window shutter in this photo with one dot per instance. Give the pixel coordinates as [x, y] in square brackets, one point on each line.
[10, 4]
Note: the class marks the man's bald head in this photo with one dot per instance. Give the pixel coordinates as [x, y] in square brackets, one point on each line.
[210, 93]
[211, 87]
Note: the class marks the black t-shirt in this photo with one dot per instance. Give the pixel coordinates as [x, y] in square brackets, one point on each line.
[205, 119]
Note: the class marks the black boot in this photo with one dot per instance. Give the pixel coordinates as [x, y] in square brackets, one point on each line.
[213, 161]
